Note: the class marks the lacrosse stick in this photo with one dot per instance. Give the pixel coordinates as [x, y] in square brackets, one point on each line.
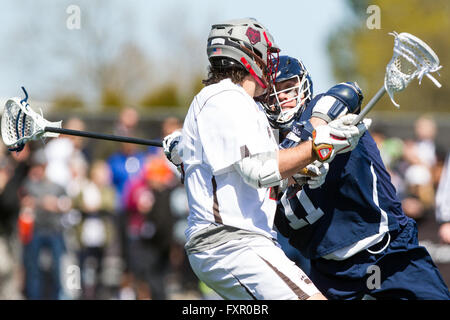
[412, 58]
[21, 124]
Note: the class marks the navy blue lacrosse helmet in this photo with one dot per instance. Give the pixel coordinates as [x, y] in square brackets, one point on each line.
[301, 91]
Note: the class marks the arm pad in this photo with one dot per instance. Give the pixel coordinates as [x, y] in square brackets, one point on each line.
[343, 98]
[260, 170]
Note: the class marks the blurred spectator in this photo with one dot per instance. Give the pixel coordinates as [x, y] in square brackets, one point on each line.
[443, 203]
[13, 170]
[438, 168]
[424, 148]
[182, 282]
[129, 160]
[149, 228]
[96, 202]
[154, 211]
[127, 122]
[125, 164]
[170, 125]
[419, 192]
[391, 148]
[42, 203]
[63, 152]
[391, 151]
[181, 278]
[78, 170]
[420, 157]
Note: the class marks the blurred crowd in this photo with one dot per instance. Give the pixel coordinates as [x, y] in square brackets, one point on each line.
[417, 167]
[77, 227]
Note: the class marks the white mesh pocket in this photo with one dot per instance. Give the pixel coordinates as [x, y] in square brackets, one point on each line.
[20, 124]
[412, 58]
[17, 126]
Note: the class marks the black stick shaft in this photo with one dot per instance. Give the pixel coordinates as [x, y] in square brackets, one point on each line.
[103, 136]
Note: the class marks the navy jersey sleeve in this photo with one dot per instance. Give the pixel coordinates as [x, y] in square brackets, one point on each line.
[356, 200]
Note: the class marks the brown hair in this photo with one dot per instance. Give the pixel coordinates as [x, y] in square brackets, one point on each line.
[215, 74]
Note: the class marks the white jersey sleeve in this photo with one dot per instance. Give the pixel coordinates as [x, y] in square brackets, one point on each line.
[231, 128]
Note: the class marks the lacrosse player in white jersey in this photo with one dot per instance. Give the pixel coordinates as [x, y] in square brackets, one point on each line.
[233, 168]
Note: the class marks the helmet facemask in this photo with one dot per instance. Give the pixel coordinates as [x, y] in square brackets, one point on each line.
[269, 67]
[272, 63]
[300, 92]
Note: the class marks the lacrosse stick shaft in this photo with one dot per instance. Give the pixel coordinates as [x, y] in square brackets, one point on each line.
[370, 105]
[103, 136]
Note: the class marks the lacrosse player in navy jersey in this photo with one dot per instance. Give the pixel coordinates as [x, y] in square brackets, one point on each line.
[348, 220]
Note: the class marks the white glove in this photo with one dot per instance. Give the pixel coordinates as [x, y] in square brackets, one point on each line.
[342, 127]
[338, 136]
[321, 170]
[314, 175]
[170, 146]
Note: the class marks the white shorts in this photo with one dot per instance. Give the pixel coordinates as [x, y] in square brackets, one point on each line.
[251, 268]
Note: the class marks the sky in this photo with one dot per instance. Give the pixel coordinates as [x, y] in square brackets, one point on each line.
[300, 29]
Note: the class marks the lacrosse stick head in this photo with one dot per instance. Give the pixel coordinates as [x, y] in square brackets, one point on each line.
[20, 124]
[412, 58]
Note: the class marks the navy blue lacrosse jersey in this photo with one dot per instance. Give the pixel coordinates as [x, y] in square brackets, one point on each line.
[356, 201]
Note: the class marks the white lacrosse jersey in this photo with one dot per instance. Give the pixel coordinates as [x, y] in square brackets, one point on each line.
[224, 125]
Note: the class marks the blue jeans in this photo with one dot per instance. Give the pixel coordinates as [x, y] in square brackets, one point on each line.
[34, 276]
